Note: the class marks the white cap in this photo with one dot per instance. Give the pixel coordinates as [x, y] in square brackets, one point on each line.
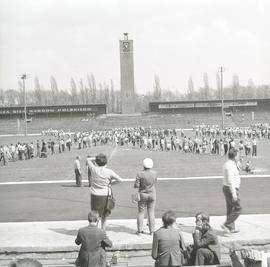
[148, 163]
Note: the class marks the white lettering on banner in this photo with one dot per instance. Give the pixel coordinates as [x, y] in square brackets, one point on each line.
[202, 105]
[244, 104]
[210, 105]
[179, 105]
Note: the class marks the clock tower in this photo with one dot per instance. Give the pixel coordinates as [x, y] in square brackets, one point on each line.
[127, 75]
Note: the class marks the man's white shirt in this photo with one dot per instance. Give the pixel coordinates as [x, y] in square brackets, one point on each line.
[231, 177]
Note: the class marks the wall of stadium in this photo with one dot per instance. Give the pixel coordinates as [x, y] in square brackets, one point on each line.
[210, 106]
[53, 111]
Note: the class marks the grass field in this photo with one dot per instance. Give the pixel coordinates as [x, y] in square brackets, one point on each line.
[63, 201]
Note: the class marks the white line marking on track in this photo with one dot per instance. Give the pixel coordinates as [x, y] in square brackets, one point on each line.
[132, 180]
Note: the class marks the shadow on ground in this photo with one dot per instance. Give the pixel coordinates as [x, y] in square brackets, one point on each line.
[64, 231]
[110, 227]
[120, 229]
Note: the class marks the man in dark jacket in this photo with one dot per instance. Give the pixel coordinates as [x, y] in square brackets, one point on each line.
[206, 245]
[168, 246]
[93, 241]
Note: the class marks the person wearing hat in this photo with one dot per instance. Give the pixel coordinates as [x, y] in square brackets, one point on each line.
[145, 182]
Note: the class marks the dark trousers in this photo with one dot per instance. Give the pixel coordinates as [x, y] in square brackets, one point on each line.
[225, 149]
[78, 177]
[89, 177]
[254, 151]
[233, 207]
[204, 256]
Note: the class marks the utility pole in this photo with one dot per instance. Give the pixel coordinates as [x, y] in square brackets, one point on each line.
[222, 97]
[23, 77]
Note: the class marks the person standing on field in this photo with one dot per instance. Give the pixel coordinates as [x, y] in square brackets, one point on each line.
[102, 179]
[145, 182]
[78, 172]
[231, 186]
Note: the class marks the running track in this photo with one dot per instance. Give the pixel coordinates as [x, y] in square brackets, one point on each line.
[61, 200]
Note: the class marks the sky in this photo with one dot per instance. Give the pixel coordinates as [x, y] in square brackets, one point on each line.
[174, 39]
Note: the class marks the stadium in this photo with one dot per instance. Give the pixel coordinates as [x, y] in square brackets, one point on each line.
[36, 191]
[100, 167]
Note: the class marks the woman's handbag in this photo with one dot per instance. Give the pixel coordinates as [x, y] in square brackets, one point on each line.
[110, 204]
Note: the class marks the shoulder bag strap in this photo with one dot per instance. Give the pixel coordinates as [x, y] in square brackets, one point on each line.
[110, 188]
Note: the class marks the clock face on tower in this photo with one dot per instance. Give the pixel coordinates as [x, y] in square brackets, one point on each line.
[126, 47]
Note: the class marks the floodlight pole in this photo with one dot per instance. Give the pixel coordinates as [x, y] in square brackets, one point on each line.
[23, 77]
[222, 97]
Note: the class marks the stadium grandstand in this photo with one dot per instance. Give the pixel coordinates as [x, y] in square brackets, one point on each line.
[202, 106]
[43, 117]
[56, 111]
[240, 112]
[175, 114]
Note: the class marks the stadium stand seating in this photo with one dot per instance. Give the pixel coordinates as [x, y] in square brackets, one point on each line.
[184, 121]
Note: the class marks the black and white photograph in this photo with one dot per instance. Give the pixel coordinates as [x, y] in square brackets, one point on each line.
[134, 133]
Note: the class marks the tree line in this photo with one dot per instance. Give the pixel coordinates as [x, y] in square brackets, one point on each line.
[88, 91]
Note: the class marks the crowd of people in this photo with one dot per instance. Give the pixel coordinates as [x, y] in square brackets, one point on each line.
[203, 139]
[168, 247]
[29, 150]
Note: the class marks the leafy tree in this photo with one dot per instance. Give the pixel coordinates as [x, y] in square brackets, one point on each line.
[54, 91]
[37, 92]
[74, 94]
[11, 97]
[250, 91]
[94, 88]
[112, 99]
[218, 91]
[206, 86]
[2, 97]
[157, 88]
[82, 98]
[235, 86]
[20, 93]
[90, 93]
[64, 97]
[190, 94]
[118, 101]
[107, 95]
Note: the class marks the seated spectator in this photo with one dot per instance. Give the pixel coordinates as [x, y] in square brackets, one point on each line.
[206, 250]
[93, 241]
[25, 263]
[168, 244]
[248, 167]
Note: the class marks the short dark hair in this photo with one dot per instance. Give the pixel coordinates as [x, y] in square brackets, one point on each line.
[203, 216]
[168, 218]
[93, 216]
[232, 153]
[101, 160]
[27, 262]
